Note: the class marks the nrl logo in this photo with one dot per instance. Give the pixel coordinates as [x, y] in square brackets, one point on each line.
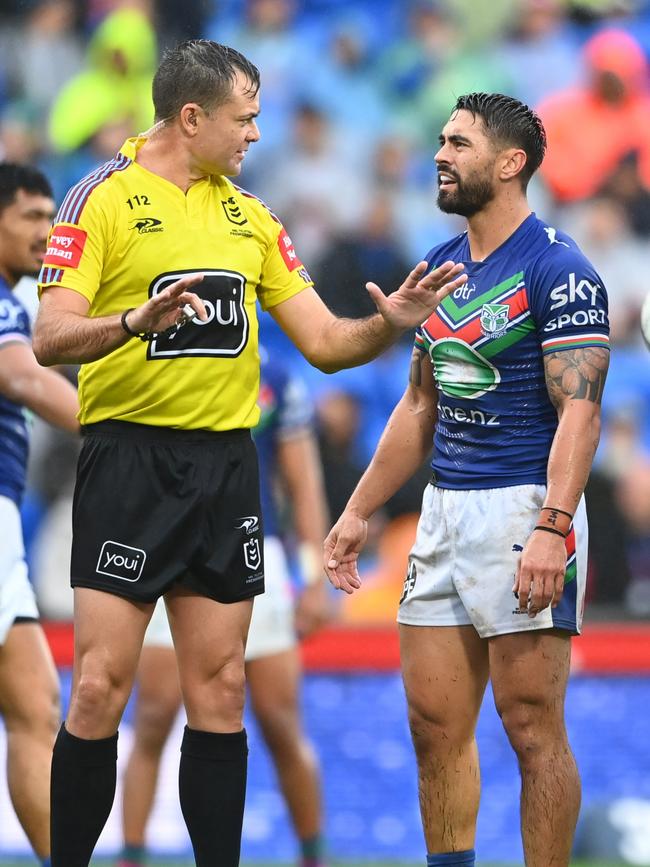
[233, 212]
[494, 319]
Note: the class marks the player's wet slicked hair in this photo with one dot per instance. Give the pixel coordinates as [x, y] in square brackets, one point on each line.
[14, 177]
[509, 122]
[199, 71]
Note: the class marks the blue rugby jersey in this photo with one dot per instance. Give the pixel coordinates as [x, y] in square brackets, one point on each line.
[14, 326]
[535, 294]
[285, 409]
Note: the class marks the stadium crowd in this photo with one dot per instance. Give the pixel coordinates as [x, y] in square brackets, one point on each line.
[353, 97]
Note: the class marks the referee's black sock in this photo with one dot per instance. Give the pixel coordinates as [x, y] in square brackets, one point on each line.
[82, 791]
[212, 785]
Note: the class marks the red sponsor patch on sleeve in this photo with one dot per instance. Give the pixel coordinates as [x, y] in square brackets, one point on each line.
[65, 246]
[287, 251]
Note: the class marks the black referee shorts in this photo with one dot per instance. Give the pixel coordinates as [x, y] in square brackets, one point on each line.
[155, 507]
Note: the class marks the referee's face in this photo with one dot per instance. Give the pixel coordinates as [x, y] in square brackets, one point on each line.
[225, 133]
[24, 227]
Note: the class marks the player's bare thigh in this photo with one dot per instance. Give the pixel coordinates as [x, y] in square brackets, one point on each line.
[29, 686]
[529, 673]
[445, 672]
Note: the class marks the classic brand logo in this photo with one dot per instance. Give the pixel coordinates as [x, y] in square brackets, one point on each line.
[250, 524]
[252, 554]
[233, 212]
[121, 561]
[494, 319]
[146, 225]
[65, 246]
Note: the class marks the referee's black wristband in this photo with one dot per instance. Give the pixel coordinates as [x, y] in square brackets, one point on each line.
[550, 530]
[125, 324]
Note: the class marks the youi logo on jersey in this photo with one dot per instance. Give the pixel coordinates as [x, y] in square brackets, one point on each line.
[225, 331]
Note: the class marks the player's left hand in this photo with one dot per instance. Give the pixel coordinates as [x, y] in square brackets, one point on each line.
[313, 609]
[539, 581]
[418, 296]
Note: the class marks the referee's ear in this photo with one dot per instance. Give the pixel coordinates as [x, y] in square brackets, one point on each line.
[189, 118]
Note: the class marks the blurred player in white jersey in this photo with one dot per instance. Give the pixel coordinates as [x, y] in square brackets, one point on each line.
[289, 459]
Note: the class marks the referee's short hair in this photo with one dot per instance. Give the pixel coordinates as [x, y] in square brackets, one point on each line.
[509, 122]
[14, 177]
[199, 71]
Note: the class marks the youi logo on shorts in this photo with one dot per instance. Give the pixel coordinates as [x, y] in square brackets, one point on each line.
[121, 561]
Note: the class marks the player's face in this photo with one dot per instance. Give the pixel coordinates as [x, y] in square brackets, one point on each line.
[24, 227]
[466, 166]
[228, 131]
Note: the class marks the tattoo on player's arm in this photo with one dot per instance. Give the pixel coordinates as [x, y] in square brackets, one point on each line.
[415, 372]
[576, 373]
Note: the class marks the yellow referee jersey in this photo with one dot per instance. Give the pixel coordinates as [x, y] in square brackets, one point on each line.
[122, 235]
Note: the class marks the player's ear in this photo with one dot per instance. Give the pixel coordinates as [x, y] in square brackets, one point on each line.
[513, 161]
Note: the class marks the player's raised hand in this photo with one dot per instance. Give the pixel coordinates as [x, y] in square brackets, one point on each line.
[419, 295]
[341, 551]
[165, 309]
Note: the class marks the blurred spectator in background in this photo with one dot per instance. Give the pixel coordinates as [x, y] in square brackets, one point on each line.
[626, 186]
[602, 228]
[592, 128]
[315, 185]
[409, 62]
[347, 68]
[367, 253]
[41, 51]
[268, 35]
[541, 43]
[635, 503]
[115, 86]
[338, 414]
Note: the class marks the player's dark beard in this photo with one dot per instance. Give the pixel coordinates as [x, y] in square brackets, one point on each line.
[468, 198]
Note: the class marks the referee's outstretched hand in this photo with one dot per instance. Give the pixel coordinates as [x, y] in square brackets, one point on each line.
[419, 295]
[165, 309]
[341, 551]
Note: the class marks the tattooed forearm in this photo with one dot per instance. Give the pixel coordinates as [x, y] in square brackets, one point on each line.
[576, 373]
[415, 372]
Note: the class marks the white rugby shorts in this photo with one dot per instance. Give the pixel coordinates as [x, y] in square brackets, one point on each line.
[16, 594]
[462, 566]
[272, 623]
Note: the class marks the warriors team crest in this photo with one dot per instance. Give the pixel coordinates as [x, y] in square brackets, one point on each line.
[494, 319]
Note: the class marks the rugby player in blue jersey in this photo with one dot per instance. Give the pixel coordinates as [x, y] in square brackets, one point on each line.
[506, 381]
[29, 689]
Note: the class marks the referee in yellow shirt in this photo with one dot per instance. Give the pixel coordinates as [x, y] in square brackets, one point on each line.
[152, 272]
